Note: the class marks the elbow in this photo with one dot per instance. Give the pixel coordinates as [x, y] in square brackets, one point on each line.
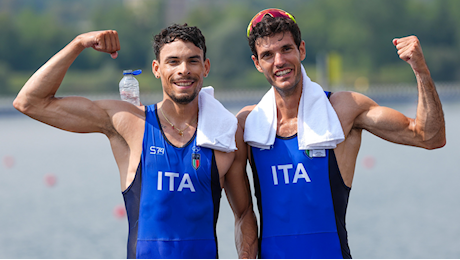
[241, 215]
[21, 104]
[29, 105]
[438, 140]
[245, 216]
[437, 145]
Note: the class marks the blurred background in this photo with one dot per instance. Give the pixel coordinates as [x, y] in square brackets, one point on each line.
[60, 197]
[349, 43]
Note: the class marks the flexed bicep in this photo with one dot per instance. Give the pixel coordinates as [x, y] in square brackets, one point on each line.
[389, 124]
[77, 114]
[426, 130]
[357, 111]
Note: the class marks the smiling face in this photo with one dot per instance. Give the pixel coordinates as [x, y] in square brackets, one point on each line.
[181, 68]
[279, 60]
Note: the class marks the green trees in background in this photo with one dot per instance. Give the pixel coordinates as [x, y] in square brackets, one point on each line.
[32, 31]
[362, 32]
[358, 32]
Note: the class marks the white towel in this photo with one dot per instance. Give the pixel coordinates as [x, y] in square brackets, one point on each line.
[260, 126]
[216, 125]
[318, 126]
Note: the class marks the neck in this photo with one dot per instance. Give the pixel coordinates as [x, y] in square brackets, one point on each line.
[287, 106]
[178, 121]
[179, 113]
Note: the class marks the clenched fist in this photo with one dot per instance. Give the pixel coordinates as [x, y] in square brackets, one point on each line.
[103, 41]
[410, 50]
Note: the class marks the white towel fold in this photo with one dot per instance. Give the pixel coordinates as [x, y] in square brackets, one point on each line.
[318, 126]
[260, 126]
[216, 125]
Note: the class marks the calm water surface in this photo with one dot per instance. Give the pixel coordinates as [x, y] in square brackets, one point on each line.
[404, 203]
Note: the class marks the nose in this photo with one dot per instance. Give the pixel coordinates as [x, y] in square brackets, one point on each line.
[183, 69]
[279, 60]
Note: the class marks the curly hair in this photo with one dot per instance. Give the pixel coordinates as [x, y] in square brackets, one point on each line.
[270, 26]
[182, 32]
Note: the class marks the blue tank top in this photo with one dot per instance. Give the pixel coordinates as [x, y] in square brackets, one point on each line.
[173, 202]
[302, 202]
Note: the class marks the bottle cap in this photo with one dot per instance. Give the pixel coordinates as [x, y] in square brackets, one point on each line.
[130, 72]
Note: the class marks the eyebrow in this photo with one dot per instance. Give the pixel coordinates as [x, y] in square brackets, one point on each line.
[288, 45]
[263, 53]
[195, 57]
[291, 45]
[189, 58]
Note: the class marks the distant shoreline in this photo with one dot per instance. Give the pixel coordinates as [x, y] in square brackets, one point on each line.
[237, 99]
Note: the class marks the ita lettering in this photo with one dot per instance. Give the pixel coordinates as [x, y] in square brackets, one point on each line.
[284, 172]
[168, 180]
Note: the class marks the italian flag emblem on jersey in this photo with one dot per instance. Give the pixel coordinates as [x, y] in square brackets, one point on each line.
[196, 160]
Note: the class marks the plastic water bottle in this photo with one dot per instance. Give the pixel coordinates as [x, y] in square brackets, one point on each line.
[129, 87]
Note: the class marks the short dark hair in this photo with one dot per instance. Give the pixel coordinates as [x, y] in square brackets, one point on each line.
[182, 32]
[270, 26]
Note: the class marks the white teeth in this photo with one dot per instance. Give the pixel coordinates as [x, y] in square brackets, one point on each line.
[284, 72]
[183, 84]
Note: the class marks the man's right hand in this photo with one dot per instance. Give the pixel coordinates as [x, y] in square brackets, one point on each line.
[103, 41]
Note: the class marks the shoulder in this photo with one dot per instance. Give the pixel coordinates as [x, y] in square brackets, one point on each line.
[350, 97]
[349, 106]
[243, 114]
[123, 115]
[349, 101]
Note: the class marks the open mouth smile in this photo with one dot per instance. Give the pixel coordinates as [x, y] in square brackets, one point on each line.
[283, 72]
[184, 84]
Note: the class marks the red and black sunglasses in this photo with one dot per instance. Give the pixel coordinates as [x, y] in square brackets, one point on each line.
[273, 12]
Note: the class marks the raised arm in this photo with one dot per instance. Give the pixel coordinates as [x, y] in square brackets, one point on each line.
[239, 196]
[37, 98]
[427, 130]
[429, 122]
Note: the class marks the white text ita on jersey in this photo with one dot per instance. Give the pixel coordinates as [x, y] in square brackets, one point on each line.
[169, 179]
[286, 170]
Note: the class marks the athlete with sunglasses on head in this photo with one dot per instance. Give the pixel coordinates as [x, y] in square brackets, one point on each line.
[302, 142]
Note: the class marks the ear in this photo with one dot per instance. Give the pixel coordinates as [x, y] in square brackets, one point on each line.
[256, 63]
[156, 69]
[303, 51]
[207, 67]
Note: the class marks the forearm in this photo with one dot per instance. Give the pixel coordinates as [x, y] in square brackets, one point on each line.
[428, 128]
[246, 235]
[430, 117]
[239, 197]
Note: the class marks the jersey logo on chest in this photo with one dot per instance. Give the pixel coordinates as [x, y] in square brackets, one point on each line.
[196, 160]
[315, 153]
[155, 150]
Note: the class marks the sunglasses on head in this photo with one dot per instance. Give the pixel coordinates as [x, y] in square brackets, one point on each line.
[273, 12]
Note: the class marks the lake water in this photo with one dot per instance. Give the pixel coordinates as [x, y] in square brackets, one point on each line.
[60, 195]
